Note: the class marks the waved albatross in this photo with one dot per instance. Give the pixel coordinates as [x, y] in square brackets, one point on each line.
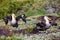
[14, 20]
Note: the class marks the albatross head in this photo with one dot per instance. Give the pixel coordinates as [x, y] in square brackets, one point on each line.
[13, 15]
[47, 18]
[47, 21]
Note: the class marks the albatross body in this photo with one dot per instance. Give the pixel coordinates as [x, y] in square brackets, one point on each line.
[43, 25]
[14, 19]
[47, 22]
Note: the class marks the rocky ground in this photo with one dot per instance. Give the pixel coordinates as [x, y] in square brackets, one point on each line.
[23, 31]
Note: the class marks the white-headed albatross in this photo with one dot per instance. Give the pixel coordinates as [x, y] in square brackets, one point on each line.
[43, 25]
[14, 19]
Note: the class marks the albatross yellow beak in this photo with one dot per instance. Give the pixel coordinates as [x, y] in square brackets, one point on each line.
[49, 18]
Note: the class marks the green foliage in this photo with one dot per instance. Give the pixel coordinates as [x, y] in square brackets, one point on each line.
[9, 38]
[33, 7]
[39, 4]
[9, 6]
[35, 12]
[58, 13]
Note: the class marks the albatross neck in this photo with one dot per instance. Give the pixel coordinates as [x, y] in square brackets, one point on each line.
[13, 18]
[46, 19]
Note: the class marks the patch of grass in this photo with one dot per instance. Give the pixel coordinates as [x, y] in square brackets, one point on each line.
[35, 12]
[30, 24]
